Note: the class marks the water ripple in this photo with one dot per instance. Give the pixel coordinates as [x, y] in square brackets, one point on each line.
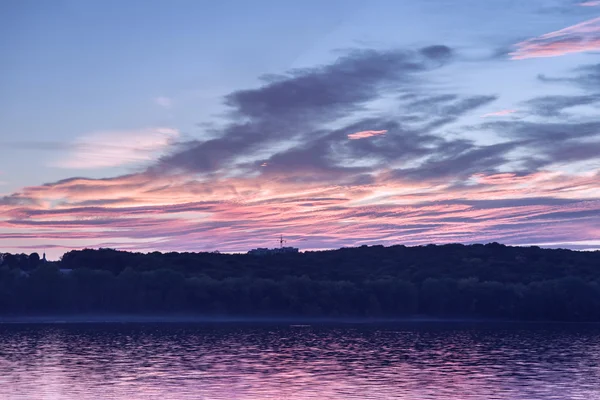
[179, 361]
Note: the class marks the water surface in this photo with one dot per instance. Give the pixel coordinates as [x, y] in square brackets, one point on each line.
[277, 361]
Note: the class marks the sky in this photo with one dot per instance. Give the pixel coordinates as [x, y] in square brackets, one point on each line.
[190, 125]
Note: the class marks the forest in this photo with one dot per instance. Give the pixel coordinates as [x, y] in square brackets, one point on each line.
[490, 281]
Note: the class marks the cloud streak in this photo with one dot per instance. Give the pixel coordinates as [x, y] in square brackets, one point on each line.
[582, 37]
[501, 113]
[365, 134]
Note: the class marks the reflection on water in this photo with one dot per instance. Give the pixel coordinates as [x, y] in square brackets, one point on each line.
[182, 361]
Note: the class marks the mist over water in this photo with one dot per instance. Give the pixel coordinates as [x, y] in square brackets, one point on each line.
[279, 361]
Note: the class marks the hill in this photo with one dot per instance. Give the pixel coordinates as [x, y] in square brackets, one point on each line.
[450, 281]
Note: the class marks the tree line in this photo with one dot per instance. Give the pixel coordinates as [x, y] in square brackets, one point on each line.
[448, 281]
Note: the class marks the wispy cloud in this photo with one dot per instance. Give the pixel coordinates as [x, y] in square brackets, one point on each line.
[501, 113]
[303, 101]
[163, 101]
[556, 106]
[587, 77]
[593, 3]
[177, 213]
[115, 148]
[578, 38]
[366, 134]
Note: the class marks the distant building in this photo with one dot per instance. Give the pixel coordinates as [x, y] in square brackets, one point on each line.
[263, 251]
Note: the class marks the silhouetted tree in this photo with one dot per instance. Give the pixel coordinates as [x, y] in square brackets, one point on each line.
[478, 281]
[33, 261]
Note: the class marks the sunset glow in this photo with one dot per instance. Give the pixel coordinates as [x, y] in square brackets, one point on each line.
[419, 138]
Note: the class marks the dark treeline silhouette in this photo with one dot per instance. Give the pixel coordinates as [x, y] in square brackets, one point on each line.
[449, 281]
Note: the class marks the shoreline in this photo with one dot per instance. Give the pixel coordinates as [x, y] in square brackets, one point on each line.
[298, 321]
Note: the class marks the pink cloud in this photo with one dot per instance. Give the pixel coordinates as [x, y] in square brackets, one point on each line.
[573, 39]
[182, 213]
[592, 3]
[365, 134]
[499, 113]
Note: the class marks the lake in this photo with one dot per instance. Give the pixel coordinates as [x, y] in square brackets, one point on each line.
[278, 361]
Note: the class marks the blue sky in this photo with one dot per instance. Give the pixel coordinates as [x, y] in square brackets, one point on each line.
[102, 89]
